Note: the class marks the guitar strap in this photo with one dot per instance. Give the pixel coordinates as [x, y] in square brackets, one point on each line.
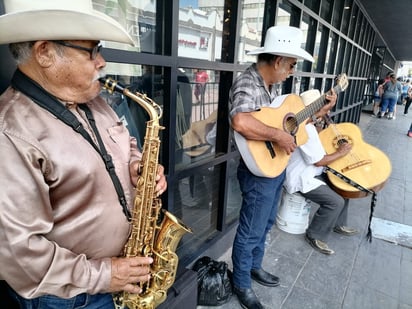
[363, 189]
[33, 90]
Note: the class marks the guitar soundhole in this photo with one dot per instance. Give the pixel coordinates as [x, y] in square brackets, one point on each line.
[341, 140]
[290, 124]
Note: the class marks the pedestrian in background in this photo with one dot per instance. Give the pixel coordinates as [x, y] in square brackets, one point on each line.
[391, 91]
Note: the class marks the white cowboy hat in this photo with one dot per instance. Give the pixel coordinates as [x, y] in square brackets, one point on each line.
[283, 41]
[32, 20]
[310, 96]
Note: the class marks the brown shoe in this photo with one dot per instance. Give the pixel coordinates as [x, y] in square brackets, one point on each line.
[344, 230]
[319, 245]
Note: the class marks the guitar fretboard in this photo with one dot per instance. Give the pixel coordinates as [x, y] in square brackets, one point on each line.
[315, 106]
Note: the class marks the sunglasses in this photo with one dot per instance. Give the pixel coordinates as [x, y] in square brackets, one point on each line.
[92, 51]
[291, 65]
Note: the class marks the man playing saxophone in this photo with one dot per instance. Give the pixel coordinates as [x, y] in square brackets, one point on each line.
[68, 165]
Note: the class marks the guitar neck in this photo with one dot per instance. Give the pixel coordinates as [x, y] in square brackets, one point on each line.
[315, 106]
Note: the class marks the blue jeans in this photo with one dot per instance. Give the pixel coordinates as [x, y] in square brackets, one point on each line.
[81, 301]
[388, 103]
[257, 215]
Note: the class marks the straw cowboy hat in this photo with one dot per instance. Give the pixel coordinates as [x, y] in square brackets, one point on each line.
[283, 41]
[310, 96]
[194, 140]
[31, 20]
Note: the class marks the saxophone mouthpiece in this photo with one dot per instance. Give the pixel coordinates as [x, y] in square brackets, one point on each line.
[111, 85]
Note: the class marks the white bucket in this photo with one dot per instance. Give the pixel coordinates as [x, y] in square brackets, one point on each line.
[293, 213]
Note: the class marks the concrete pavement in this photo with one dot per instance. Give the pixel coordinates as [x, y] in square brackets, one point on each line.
[361, 274]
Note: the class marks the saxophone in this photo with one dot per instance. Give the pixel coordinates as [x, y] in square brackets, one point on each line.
[147, 238]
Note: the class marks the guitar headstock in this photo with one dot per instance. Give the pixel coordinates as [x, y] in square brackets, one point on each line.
[342, 82]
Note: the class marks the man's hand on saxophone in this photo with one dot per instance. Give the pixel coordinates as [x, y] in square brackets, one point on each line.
[126, 272]
[161, 183]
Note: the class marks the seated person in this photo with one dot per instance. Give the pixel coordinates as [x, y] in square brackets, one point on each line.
[305, 174]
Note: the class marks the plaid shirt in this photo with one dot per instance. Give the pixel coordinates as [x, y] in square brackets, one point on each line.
[248, 92]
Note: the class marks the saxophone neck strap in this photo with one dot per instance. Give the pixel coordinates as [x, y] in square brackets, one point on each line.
[363, 189]
[30, 88]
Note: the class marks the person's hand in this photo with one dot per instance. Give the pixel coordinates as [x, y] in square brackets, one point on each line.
[331, 99]
[286, 142]
[126, 272]
[161, 183]
[344, 149]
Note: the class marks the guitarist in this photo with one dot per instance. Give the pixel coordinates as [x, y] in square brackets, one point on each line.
[253, 89]
[305, 174]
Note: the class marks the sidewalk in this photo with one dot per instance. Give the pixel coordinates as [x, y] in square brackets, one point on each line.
[361, 274]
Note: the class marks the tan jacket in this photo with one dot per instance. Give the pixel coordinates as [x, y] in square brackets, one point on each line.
[60, 218]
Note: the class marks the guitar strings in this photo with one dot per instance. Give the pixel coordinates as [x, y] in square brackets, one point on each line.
[340, 137]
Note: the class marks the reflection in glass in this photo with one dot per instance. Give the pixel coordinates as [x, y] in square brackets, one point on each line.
[234, 196]
[346, 18]
[144, 79]
[313, 5]
[353, 21]
[137, 17]
[200, 30]
[308, 24]
[332, 52]
[283, 15]
[196, 115]
[250, 29]
[196, 202]
[326, 10]
[316, 67]
[337, 13]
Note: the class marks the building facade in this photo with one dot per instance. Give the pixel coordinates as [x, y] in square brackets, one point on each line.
[187, 55]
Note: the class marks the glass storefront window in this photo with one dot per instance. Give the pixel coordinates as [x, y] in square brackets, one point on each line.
[143, 79]
[308, 26]
[337, 13]
[196, 203]
[353, 21]
[346, 18]
[138, 18]
[196, 115]
[200, 29]
[360, 29]
[326, 10]
[341, 51]
[234, 196]
[250, 36]
[316, 64]
[283, 16]
[332, 52]
[313, 5]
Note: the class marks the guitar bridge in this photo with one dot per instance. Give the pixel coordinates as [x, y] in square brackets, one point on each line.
[355, 165]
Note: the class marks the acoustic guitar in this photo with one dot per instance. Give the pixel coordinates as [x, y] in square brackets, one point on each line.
[365, 164]
[267, 159]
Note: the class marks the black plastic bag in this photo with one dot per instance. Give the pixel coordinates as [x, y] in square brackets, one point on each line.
[213, 282]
